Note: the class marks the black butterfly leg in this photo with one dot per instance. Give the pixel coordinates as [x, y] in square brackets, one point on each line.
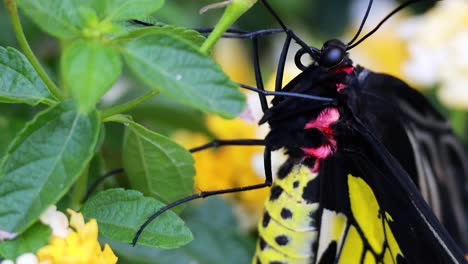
[93, 187]
[229, 142]
[268, 181]
[213, 144]
[240, 34]
[282, 63]
[258, 75]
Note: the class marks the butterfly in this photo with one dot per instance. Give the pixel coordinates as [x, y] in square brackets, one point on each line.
[373, 170]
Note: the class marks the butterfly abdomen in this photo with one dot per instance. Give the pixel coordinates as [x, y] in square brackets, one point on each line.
[288, 230]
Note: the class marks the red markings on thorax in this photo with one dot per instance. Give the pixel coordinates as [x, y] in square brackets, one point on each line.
[324, 120]
[323, 123]
[347, 70]
[322, 151]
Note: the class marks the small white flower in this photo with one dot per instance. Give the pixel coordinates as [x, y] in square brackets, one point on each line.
[454, 93]
[5, 235]
[422, 69]
[27, 258]
[57, 221]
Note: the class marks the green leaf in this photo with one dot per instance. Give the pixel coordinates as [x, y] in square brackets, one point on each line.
[19, 82]
[120, 213]
[89, 69]
[60, 18]
[165, 116]
[188, 34]
[170, 63]
[31, 240]
[43, 162]
[127, 9]
[217, 240]
[157, 166]
[96, 170]
[13, 118]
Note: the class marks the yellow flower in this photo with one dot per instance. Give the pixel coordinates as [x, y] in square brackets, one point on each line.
[80, 246]
[227, 167]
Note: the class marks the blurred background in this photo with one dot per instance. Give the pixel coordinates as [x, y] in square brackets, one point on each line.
[426, 45]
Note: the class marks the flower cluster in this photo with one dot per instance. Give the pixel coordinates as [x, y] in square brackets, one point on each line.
[438, 55]
[74, 242]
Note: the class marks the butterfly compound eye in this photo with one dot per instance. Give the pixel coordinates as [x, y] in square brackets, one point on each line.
[333, 53]
[332, 57]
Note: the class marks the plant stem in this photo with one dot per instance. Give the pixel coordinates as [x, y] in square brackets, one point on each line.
[233, 11]
[15, 20]
[128, 105]
[124, 119]
[78, 191]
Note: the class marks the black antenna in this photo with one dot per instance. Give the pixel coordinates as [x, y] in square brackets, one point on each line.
[396, 10]
[288, 94]
[363, 22]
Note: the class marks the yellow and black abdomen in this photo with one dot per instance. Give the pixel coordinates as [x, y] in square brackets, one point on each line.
[288, 230]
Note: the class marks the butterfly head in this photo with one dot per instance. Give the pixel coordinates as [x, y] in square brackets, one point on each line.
[333, 54]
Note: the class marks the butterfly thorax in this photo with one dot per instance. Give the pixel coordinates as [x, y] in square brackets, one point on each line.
[308, 132]
[306, 129]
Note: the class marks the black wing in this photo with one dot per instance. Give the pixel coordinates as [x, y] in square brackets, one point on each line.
[392, 224]
[422, 141]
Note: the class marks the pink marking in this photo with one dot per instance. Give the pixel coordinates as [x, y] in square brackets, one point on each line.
[316, 167]
[340, 86]
[319, 152]
[323, 121]
[347, 69]
[332, 142]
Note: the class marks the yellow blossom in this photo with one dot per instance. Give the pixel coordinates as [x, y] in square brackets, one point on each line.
[227, 167]
[80, 246]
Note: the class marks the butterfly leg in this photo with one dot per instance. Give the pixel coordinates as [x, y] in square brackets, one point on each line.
[213, 144]
[267, 183]
[282, 63]
[258, 75]
[241, 34]
[230, 142]
[99, 180]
